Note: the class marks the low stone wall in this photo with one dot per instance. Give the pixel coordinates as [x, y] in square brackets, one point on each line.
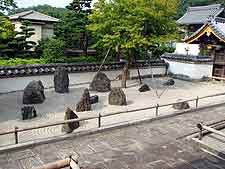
[35, 70]
[189, 67]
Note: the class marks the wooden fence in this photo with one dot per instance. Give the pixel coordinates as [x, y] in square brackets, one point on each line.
[157, 107]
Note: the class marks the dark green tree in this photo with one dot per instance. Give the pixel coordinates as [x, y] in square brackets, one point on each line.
[22, 42]
[6, 5]
[7, 36]
[72, 29]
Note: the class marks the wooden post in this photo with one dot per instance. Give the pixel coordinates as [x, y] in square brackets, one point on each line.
[197, 99]
[157, 110]
[99, 120]
[16, 135]
[200, 131]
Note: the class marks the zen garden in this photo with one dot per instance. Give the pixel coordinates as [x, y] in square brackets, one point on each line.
[110, 84]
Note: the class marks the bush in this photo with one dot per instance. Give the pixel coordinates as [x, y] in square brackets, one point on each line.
[53, 51]
[19, 61]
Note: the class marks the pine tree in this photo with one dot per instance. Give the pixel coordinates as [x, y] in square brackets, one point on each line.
[22, 42]
[73, 28]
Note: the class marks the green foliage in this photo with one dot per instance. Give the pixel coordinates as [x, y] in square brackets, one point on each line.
[7, 36]
[132, 24]
[59, 13]
[54, 51]
[6, 5]
[23, 43]
[19, 61]
[72, 28]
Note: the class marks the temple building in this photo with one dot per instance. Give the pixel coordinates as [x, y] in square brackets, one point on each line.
[204, 43]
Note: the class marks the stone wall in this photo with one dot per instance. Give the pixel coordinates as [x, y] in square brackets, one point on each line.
[35, 70]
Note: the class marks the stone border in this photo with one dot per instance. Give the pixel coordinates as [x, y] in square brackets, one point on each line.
[44, 69]
[100, 130]
[188, 59]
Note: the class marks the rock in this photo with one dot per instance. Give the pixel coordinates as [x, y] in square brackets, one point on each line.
[69, 127]
[84, 103]
[144, 88]
[34, 93]
[94, 99]
[181, 106]
[100, 83]
[86, 94]
[28, 112]
[169, 82]
[117, 97]
[61, 80]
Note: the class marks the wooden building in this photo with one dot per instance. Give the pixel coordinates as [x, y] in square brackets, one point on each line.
[206, 27]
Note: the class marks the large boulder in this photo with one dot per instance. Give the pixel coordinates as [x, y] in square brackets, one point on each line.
[100, 83]
[61, 80]
[69, 127]
[181, 105]
[28, 112]
[84, 103]
[144, 88]
[169, 82]
[34, 93]
[117, 97]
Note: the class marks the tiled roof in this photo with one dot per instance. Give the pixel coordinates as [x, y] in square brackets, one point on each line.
[33, 15]
[200, 14]
[217, 27]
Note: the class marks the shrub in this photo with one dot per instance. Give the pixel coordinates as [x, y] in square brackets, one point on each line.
[19, 61]
[53, 51]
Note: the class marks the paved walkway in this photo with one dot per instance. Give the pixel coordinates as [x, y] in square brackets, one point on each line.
[154, 145]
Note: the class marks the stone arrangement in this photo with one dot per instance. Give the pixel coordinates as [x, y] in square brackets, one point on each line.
[100, 83]
[94, 99]
[84, 103]
[169, 82]
[61, 80]
[117, 97]
[181, 105]
[34, 93]
[70, 127]
[28, 112]
[144, 88]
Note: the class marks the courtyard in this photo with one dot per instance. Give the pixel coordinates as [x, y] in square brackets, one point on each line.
[53, 109]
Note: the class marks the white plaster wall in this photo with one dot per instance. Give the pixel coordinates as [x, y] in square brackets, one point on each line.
[194, 71]
[193, 49]
[38, 33]
[147, 71]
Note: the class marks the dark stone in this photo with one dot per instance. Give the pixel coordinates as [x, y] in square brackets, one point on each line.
[144, 88]
[84, 103]
[94, 99]
[169, 82]
[61, 80]
[34, 93]
[86, 94]
[100, 83]
[181, 106]
[28, 112]
[69, 127]
[117, 97]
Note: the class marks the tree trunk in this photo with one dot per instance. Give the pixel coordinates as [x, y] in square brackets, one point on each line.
[135, 63]
[125, 76]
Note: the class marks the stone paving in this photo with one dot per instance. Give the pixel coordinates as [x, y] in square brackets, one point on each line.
[155, 145]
